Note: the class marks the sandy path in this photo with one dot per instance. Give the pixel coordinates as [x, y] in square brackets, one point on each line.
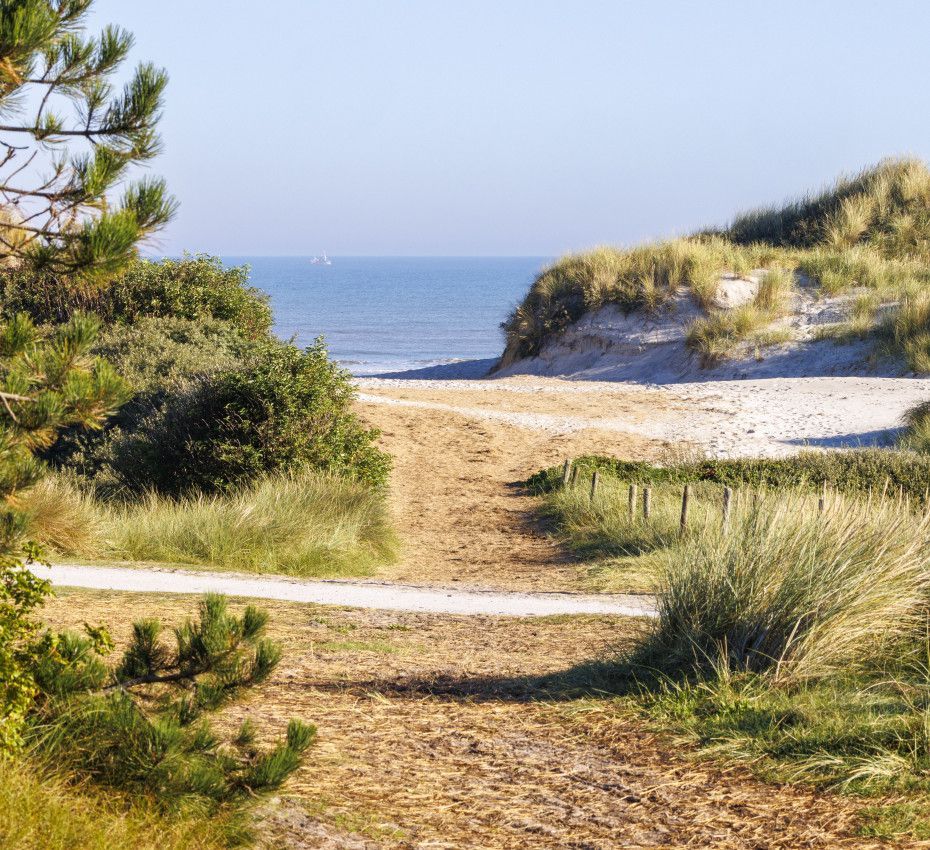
[462, 516]
[377, 596]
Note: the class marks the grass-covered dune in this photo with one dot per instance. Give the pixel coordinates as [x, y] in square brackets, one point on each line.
[866, 240]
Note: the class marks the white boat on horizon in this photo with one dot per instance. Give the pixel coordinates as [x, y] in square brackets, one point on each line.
[321, 261]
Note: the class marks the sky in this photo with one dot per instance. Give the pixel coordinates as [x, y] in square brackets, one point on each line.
[515, 127]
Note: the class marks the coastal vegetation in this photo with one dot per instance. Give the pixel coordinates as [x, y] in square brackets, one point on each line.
[791, 630]
[146, 412]
[866, 239]
[303, 524]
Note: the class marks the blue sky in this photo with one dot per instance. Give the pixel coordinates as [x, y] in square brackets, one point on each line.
[515, 126]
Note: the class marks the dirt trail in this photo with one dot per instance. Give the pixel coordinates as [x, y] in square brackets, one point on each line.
[461, 514]
[465, 732]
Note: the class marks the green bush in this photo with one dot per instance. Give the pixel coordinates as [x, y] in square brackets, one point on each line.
[194, 288]
[849, 471]
[282, 410]
[155, 354]
[156, 357]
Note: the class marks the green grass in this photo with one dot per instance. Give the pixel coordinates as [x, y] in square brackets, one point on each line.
[303, 525]
[380, 647]
[887, 206]
[38, 811]
[871, 232]
[791, 641]
[916, 436]
[792, 591]
[849, 471]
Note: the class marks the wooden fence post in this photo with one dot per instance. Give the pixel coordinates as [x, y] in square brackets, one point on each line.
[822, 501]
[685, 498]
[727, 499]
[632, 501]
[594, 482]
[647, 502]
[566, 471]
[573, 477]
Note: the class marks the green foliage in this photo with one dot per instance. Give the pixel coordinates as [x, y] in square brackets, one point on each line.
[916, 435]
[789, 589]
[197, 288]
[862, 734]
[283, 410]
[156, 357]
[46, 382]
[849, 471]
[20, 594]
[39, 809]
[65, 123]
[305, 524]
[156, 744]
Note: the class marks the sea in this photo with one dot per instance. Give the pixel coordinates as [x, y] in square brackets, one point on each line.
[390, 315]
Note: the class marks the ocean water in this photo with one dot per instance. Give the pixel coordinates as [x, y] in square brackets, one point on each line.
[394, 314]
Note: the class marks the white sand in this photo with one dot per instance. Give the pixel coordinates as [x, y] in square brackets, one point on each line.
[765, 417]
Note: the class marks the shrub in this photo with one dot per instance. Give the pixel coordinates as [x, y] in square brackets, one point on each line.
[308, 524]
[282, 410]
[156, 357]
[156, 354]
[193, 288]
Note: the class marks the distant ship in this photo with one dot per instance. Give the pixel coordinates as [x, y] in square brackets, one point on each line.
[321, 261]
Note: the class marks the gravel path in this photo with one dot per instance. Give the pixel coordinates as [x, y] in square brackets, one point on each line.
[388, 597]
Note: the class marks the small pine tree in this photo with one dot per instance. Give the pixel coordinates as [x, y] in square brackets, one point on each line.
[140, 728]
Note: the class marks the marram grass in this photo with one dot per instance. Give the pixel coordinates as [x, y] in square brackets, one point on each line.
[791, 590]
[792, 641]
[304, 525]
